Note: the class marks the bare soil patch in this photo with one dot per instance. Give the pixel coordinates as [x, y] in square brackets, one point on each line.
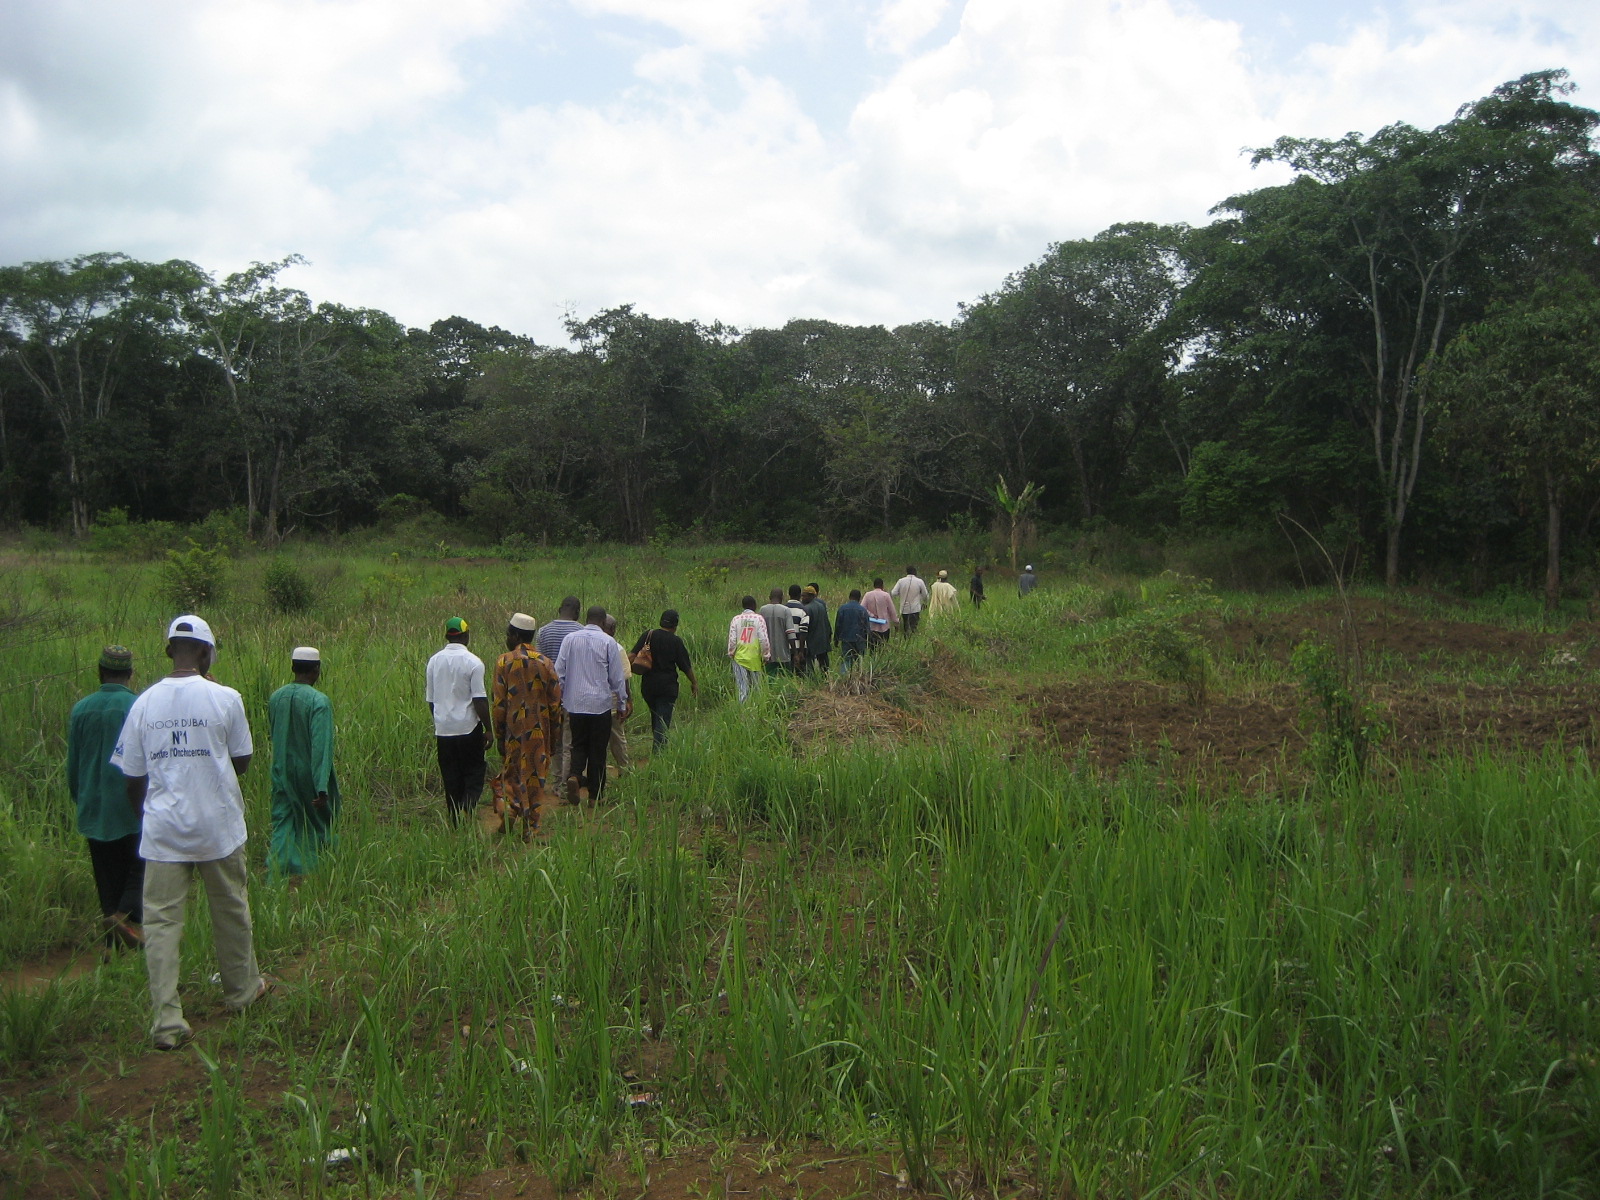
[1259, 741]
[1384, 627]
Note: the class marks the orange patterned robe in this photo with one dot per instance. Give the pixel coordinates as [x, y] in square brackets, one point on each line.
[526, 711]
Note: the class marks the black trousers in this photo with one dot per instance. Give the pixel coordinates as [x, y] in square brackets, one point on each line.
[591, 734]
[908, 621]
[462, 768]
[118, 876]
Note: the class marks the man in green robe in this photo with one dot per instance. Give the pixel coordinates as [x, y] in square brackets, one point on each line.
[305, 790]
[105, 818]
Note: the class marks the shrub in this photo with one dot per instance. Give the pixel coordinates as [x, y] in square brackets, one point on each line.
[192, 577]
[223, 529]
[1348, 726]
[287, 588]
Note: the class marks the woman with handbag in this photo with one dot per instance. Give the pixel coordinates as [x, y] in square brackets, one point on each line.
[658, 656]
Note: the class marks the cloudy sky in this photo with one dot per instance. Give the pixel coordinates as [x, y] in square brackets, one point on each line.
[746, 161]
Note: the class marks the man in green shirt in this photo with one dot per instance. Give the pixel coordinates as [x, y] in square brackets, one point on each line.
[105, 818]
[305, 790]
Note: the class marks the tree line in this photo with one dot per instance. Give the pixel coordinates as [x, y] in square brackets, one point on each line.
[1396, 353]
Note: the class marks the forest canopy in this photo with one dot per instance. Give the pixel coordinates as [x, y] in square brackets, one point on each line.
[1396, 351]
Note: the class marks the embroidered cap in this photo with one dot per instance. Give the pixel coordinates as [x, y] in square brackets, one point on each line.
[523, 622]
[116, 658]
[305, 654]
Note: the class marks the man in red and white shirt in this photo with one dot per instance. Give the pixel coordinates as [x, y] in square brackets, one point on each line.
[748, 647]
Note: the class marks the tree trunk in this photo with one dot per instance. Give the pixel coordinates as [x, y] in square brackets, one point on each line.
[80, 507]
[1552, 544]
[1391, 556]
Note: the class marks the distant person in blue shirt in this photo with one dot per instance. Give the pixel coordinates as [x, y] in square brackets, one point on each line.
[850, 629]
[1027, 581]
[105, 818]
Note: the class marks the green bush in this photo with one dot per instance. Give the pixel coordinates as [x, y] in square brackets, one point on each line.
[288, 590]
[114, 533]
[193, 577]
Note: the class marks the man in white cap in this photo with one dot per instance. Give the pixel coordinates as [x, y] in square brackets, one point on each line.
[183, 748]
[1027, 581]
[942, 597]
[305, 790]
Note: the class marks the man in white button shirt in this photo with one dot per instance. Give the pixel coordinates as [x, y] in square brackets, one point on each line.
[183, 747]
[910, 593]
[461, 726]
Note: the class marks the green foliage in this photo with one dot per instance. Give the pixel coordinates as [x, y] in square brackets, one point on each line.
[224, 529]
[288, 589]
[1346, 726]
[832, 556]
[193, 578]
[709, 577]
[516, 548]
[387, 587]
[114, 534]
[1175, 653]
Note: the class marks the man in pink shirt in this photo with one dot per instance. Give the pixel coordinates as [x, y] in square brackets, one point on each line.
[881, 615]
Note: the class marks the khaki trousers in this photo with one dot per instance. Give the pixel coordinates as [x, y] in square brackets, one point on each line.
[166, 892]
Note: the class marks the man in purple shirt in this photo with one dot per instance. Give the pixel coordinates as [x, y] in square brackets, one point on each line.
[592, 676]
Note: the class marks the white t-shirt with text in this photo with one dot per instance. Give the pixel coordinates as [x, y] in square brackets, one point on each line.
[182, 734]
[455, 680]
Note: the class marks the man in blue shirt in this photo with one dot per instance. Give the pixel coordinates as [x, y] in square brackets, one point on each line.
[593, 678]
[105, 818]
[850, 629]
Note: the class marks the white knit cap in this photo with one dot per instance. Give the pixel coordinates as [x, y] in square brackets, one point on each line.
[306, 654]
[523, 622]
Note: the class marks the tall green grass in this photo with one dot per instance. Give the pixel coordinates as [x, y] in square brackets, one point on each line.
[1013, 975]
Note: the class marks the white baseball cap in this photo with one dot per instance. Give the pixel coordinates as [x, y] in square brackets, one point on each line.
[191, 626]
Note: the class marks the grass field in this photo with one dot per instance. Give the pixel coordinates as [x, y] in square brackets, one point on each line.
[1044, 905]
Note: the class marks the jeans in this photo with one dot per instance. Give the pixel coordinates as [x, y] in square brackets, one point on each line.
[462, 767]
[660, 717]
[591, 733]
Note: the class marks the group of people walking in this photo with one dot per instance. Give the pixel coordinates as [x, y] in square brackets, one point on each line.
[797, 636]
[554, 707]
[155, 777]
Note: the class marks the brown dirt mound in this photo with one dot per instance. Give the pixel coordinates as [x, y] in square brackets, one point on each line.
[1259, 741]
[1385, 628]
[829, 718]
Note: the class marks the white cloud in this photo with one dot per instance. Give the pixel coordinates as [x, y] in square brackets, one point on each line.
[901, 24]
[360, 133]
[730, 26]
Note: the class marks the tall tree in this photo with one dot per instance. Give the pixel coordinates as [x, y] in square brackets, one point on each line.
[1071, 360]
[71, 327]
[1524, 384]
[1384, 245]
